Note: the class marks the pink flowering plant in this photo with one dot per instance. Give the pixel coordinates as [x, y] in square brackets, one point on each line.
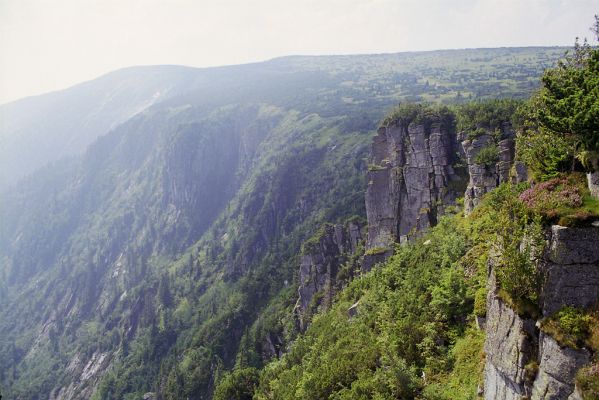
[564, 198]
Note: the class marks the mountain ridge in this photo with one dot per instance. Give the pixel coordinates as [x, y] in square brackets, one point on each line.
[170, 247]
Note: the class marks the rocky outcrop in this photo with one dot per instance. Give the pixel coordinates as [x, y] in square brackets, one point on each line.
[522, 361]
[411, 179]
[557, 369]
[571, 269]
[87, 375]
[510, 348]
[486, 175]
[320, 264]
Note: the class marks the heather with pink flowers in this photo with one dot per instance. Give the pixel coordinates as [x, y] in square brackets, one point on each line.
[549, 197]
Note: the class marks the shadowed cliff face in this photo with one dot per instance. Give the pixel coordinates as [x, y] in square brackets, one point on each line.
[486, 175]
[319, 270]
[411, 179]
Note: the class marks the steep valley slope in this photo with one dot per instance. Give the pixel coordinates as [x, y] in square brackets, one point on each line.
[164, 250]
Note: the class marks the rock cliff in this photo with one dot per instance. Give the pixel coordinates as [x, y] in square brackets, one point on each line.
[320, 267]
[411, 179]
[489, 164]
[523, 361]
[417, 170]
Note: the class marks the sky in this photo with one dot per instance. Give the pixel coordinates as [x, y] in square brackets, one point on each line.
[47, 45]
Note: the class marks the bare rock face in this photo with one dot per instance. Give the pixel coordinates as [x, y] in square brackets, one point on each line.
[510, 345]
[319, 267]
[410, 180]
[570, 269]
[557, 369]
[485, 177]
[87, 374]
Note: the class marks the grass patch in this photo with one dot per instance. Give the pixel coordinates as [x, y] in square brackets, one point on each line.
[374, 167]
[376, 251]
[466, 372]
[574, 327]
[523, 306]
[587, 381]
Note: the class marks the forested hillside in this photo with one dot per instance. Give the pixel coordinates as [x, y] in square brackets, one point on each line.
[165, 260]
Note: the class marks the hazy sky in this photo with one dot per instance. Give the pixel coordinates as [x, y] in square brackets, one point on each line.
[51, 44]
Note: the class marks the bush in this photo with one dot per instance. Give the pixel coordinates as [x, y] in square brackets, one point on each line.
[549, 197]
[546, 154]
[238, 384]
[477, 118]
[573, 327]
[504, 222]
[480, 302]
[487, 156]
[421, 113]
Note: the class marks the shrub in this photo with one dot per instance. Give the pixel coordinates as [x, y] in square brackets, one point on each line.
[546, 154]
[504, 222]
[570, 326]
[549, 197]
[421, 113]
[481, 117]
[487, 156]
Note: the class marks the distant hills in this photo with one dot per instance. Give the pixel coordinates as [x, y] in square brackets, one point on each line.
[38, 130]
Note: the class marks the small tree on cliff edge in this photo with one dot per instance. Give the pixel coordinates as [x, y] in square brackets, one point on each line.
[568, 101]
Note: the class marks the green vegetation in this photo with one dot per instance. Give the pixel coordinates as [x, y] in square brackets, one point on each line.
[546, 154]
[374, 167]
[574, 327]
[189, 292]
[476, 118]
[421, 114]
[462, 381]
[487, 156]
[414, 330]
[376, 250]
[409, 315]
[568, 102]
[238, 384]
[517, 241]
[561, 121]
[587, 380]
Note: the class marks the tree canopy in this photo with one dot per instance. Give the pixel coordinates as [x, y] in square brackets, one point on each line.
[568, 102]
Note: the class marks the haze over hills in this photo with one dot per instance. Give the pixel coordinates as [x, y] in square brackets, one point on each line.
[155, 221]
[38, 130]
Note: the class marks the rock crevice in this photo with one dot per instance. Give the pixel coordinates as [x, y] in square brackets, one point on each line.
[411, 179]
